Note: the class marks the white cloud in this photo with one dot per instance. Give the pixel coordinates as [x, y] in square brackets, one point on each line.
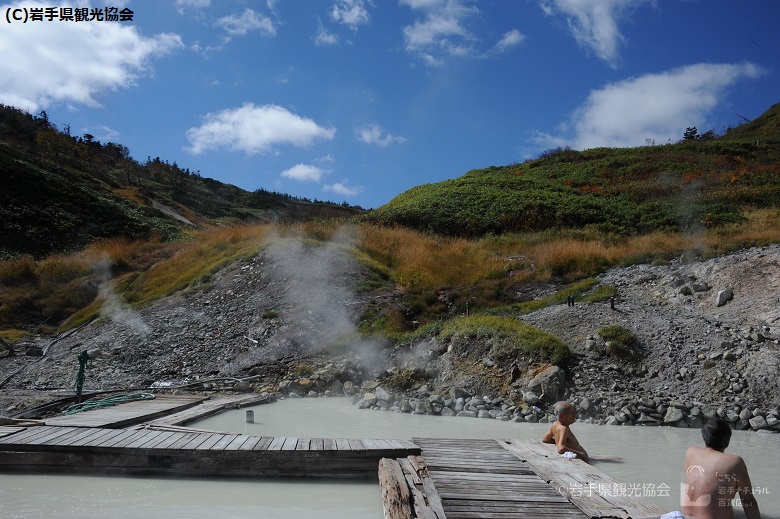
[511, 39]
[593, 23]
[183, 5]
[249, 20]
[323, 37]
[44, 63]
[341, 188]
[351, 13]
[255, 129]
[441, 31]
[304, 173]
[105, 134]
[374, 134]
[654, 106]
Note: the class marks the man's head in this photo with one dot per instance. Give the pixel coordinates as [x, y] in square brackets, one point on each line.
[716, 434]
[564, 412]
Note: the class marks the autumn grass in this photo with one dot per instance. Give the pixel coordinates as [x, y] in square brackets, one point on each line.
[66, 288]
[415, 259]
[195, 261]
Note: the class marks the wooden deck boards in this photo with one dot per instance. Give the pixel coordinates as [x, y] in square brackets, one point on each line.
[150, 451]
[582, 483]
[424, 478]
[209, 408]
[130, 413]
[479, 479]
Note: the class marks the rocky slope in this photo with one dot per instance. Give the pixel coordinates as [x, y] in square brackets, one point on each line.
[287, 319]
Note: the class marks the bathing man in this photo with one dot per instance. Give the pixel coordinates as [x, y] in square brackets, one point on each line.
[713, 478]
[560, 434]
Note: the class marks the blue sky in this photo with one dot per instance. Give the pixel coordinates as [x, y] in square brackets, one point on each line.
[360, 100]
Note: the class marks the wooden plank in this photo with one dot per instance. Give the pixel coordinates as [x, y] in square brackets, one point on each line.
[342, 444]
[289, 444]
[197, 440]
[52, 434]
[250, 443]
[121, 439]
[369, 445]
[224, 442]
[170, 440]
[65, 439]
[29, 434]
[263, 444]
[356, 445]
[165, 435]
[210, 442]
[303, 444]
[237, 442]
[317, 444]
[434, 500]
[396, 498]
[84, 440]
[184, 440]
[7, 430]
[383, 444]
[329, 444]
[277, 443]
[143, 440]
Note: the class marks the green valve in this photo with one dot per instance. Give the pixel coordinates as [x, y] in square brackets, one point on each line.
[81, 376]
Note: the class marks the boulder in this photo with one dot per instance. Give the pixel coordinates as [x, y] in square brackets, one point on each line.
[337, 388]
[550, 381]
[673, 415]
[758, 422]
[530, 398]
[723, 297]
[383, 394]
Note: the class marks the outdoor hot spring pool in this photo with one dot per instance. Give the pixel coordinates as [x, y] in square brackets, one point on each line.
[651, 459]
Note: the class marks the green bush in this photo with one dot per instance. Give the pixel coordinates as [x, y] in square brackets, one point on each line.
[509, 336]
[621, 342]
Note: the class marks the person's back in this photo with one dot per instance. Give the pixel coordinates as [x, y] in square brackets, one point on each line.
[713, 478]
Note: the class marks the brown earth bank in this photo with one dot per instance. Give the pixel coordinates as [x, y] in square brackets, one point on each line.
[707, 341]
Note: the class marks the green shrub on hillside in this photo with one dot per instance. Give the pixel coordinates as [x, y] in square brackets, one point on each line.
[509, 336]
[681, 187]
[620, 341]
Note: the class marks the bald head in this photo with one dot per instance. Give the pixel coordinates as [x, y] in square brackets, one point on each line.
[562, 407]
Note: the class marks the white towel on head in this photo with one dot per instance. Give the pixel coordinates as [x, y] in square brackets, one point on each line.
[673, 515]
[569, 455]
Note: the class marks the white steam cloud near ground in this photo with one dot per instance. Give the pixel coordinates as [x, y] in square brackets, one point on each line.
[318, 282]
[113, 307]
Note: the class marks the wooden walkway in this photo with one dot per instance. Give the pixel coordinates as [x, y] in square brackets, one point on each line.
[148, 452]
[489, 479]
[591, 490]
[481, 479]
[424, 478]
[129, 413]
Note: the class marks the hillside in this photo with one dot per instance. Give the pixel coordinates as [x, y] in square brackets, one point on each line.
[472, 304]
[682, 187]
[62, 192]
